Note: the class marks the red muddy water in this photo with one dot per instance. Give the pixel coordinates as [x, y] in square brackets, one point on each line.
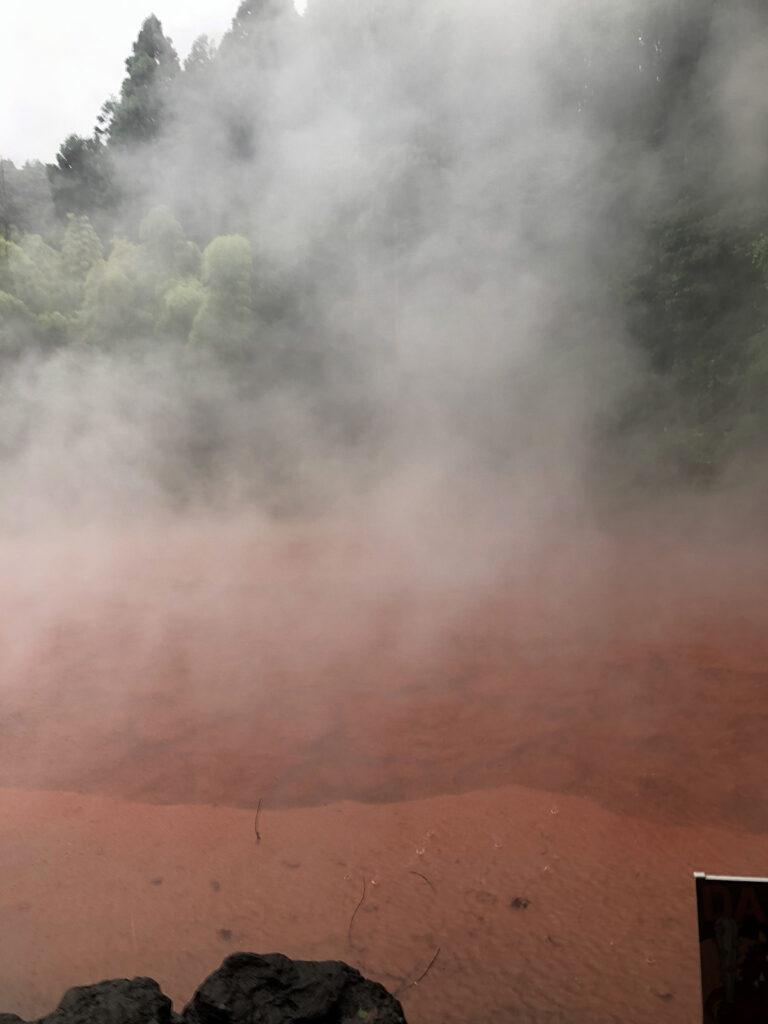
[576, 724]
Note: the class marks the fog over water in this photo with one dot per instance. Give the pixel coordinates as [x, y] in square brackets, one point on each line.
[365, 286]
[442, 202]
[382, 445]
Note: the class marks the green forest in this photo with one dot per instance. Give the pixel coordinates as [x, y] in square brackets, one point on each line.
[392, 226]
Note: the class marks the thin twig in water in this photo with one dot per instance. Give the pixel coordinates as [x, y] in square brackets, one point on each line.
[425, 879]
[422, 976]
[354, 915]
[256, 822]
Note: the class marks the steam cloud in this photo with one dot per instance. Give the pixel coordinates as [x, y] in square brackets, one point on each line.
[435, 240]
[443, 201]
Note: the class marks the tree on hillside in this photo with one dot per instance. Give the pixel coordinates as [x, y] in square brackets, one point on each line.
[82, 180]
[696, 306]
[33, 272]
[17, 327]
[168, 253]
[179, 307]
[118, 298]
[200, 56]
[6, 212]
[46, 288]
[138, 115]
[81, 247]
[169, 273]
[25, 200]
[253, 47]
[251, 24]
[225, 320]
[631, 67]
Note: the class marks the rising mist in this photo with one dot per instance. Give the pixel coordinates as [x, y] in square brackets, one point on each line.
[356, 318]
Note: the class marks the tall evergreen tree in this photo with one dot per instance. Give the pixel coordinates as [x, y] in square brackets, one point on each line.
[250, 50]
[200, 56]
[138, 115]
[251, 23]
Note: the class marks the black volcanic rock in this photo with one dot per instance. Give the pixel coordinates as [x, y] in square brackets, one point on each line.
[121, 1001]
[246, 989]
[272, 989]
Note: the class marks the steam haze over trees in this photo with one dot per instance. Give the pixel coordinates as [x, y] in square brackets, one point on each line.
[511, 242]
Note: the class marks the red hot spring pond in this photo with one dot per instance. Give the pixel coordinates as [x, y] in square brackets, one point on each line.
[520, 756]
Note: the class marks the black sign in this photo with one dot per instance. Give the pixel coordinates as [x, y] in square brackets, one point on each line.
[733, 943]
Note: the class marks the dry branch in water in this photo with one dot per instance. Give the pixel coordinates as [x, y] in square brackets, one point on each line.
[421, 977]
[425, 879]
[256, 822]
[354, 915]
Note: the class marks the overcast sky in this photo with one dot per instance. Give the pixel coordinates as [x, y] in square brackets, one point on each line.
[60, 61]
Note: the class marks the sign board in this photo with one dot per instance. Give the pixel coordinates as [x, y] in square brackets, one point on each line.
[733, 944]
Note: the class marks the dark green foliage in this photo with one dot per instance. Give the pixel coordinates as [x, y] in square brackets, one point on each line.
[82, 180]
[699, 295]
[25, 200]
[437, 187]
[139, 115]
[695, 309]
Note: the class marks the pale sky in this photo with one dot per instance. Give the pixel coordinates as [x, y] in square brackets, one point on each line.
[60, 61]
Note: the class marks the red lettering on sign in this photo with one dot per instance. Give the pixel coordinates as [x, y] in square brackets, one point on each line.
[716, 902]
[749, 906]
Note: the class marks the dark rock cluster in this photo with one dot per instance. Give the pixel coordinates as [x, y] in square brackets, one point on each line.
[246, 989]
